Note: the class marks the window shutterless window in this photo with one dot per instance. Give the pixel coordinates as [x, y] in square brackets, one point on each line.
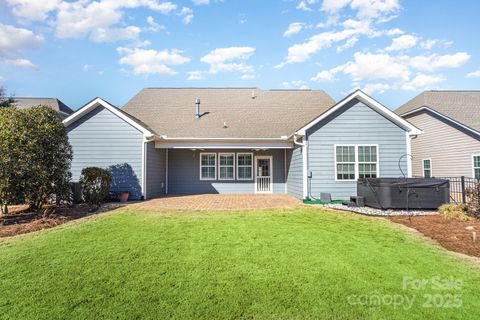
[345, 158]
[356, 161]
[476, 167]
[244, 166]
[427, 168]
[367, 161]
[226, 166]
[208, 166]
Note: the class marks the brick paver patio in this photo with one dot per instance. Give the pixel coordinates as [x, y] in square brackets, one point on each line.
[220, 202]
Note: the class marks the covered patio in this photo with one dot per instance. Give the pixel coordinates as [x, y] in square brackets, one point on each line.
[219, 202]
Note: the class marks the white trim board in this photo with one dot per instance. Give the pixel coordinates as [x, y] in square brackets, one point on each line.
[224, 145]
[98, 102]
[441, 115]
[369, 101]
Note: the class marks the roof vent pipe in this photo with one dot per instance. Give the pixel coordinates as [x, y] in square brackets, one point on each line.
[197, 108]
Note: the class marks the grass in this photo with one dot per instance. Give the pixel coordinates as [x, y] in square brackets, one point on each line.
[285, 264]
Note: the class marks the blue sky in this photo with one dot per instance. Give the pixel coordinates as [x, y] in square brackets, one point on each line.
[392, 49]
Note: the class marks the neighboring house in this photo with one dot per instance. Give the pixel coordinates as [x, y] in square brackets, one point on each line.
[62, 109]
[450, 144]
[240, 140]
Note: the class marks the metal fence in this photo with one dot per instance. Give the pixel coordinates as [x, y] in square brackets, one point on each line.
[459, 187]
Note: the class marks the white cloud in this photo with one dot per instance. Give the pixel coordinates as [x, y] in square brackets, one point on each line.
[371, 88]
[293, 28]
[186, 14]
[403, 42]
[154, 26]
[149, 61]
[376, 66]
[33, 10]
[348, 44]
[115, 34]
[436, 61]
[195, 75]
[325, 76]
[304, 5]
[334, 6]
[303, 51]
[13, 42]
[381, 10]
[19, 62]
[397, 70]
[15, 39]
[369, 14]
[101, 20]
[422, 81]
[474, 74]
[200, 2]
[247, 77]
[296, 84]
[232, 59]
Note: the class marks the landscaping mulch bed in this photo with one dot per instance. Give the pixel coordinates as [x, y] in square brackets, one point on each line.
[20, 220]
[450, 233]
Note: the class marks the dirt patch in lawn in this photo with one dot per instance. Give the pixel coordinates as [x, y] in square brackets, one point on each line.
[452, 234]
[22, 220]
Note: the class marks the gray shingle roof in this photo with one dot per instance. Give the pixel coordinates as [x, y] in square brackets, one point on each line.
[462, 106]
[269, 114]
[54, 103]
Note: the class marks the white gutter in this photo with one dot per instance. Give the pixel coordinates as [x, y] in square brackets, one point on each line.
[146, 139]
[164, 137]
[304, 147]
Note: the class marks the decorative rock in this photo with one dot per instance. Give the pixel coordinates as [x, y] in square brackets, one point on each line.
[378, 212]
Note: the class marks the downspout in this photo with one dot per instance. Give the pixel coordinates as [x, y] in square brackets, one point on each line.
[146, 139]
[304, 146]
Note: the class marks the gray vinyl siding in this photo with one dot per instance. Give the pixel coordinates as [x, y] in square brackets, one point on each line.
[102, 139]
[156, 170]
[354, 124]
[295, 172]
[449, 147]
[184, 173]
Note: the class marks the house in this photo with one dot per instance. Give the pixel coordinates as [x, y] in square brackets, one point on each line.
[450, 144]
[61, 108]
[240, 140]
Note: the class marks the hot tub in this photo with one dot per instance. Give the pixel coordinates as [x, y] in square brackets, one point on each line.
[391, 193]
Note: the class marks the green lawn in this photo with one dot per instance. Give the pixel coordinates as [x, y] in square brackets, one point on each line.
[292, 264]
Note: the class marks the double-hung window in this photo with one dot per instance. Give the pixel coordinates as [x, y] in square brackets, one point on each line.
[226, 166]
[244, 166]
[345, 157]
[427, 168]
[367, 161]
[356, 161]
[476, 167]
[208, 166]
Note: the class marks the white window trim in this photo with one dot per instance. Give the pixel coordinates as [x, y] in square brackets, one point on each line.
[200, 165]
[220, 166]
[431, 167]
[357, 172]
[473, 164]
[251, 165]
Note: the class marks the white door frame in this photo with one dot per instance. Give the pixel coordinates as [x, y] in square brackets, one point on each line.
[271, 173]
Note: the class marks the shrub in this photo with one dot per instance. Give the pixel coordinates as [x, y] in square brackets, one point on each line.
[35, 156]
[50, 158]
[454, 211]
[473, 203]
[95, 183]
